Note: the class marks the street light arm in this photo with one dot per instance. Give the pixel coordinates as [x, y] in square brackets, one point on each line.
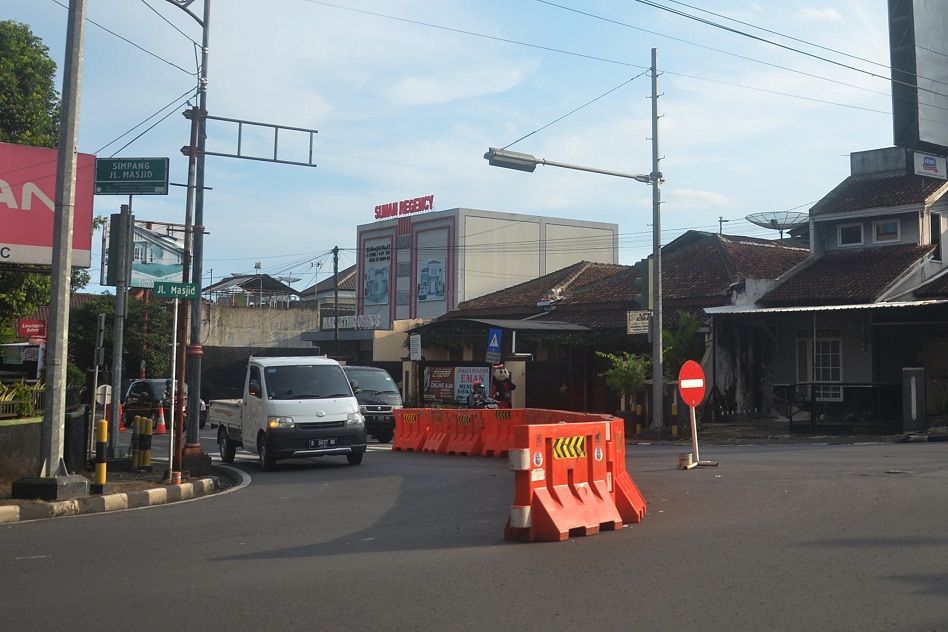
[183, 5]
[526, 162]
[639, 177]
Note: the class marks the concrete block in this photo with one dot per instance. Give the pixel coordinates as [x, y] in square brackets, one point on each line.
[92, 504]
[137, 499]
[36, 511]
[9, 513]
[115, 502]
[64, 508]
[157, 496]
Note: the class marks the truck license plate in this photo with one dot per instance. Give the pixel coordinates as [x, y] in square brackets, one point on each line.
[322, 443]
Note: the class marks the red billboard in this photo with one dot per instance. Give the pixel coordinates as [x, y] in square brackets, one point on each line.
[28, 205]
[31, 328]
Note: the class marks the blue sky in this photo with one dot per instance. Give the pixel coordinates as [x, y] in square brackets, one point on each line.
[407, 95]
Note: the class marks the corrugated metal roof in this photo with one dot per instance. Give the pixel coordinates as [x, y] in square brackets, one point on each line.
[753, 309]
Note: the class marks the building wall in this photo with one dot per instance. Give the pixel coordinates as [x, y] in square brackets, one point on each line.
[909, 232]
[476, 252]
[257, 327]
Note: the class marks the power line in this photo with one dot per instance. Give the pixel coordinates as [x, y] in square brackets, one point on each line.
[128, 41]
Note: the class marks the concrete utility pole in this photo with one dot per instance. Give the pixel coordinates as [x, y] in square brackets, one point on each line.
[335, 291]
[658, 421]
[54, 415]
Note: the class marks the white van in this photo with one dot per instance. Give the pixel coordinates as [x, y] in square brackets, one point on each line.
[292, 407]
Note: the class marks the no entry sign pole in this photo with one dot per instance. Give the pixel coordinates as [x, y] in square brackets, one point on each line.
[691, 386]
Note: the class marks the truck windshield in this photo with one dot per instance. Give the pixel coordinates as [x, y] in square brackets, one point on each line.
[306, 381]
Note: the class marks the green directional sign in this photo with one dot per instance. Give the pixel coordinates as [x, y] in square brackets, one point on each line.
[131, 176]
[169, 289]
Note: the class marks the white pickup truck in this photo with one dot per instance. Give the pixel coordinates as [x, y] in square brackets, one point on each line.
[292, 407]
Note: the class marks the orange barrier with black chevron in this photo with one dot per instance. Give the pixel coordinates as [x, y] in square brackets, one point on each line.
[410, 429]
[437, 439]
[464, 433]
[562, 482]
[626, 495]
[498, 430]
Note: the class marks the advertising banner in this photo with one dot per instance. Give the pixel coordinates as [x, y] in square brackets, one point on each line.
[464, 379]
[378, 264]
[28, 205]
[431, 279]
[439, 383]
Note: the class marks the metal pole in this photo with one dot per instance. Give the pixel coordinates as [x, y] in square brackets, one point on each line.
[174, 364]
[182, 333]
[335, 283]
[54, 415]
[658, 421]
[121, 264]
[195, 351]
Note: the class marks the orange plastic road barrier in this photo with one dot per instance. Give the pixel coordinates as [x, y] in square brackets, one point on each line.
[543, 416]
[437, 439]
[410, 430]
[498, 430]
[464, 433]
[561, 482]
[626, 495]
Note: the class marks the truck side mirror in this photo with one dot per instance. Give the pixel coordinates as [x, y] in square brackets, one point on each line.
[355, 385]
[254, 388]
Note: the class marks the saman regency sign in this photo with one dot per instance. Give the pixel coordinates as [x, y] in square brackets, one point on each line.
[405, 207]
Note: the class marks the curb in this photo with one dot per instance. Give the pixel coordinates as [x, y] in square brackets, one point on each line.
[111, 502]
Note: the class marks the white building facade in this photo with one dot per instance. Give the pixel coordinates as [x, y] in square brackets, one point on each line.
[419, 265]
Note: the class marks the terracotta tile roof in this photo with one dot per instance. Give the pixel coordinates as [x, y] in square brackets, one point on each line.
[76, 299]
[698, 269]
[544, 288]
[347, 283]
[708, 264]
[857, 193]
[846, 277]
[596, 319]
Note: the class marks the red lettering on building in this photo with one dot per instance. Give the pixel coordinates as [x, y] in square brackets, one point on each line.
[405, 207]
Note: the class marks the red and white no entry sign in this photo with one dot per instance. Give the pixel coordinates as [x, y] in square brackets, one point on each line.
[691, 383]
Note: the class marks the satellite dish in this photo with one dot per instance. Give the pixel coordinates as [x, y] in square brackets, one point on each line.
[778, 220]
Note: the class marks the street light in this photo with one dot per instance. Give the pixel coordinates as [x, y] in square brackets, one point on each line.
[527, 162]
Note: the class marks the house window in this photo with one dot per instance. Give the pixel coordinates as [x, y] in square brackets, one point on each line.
[820, 362]
[886, 230]
[850, 234]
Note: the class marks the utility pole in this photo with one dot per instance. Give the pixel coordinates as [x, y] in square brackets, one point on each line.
[54, 482]
[658, 421]
[335, 292]
[199, 463]
[121, 264]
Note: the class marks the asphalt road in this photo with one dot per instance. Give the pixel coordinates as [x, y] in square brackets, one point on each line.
[801, 537]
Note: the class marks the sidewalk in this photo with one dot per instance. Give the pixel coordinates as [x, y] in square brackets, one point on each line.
[766, 431]
[127, 490]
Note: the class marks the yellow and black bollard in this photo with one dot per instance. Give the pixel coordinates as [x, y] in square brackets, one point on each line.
[101, 466]
[136, 429]
[144, 444]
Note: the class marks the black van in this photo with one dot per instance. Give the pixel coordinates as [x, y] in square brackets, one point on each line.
[378, 397]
